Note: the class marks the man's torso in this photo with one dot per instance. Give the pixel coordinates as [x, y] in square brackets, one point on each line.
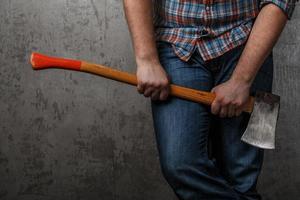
[211, 26]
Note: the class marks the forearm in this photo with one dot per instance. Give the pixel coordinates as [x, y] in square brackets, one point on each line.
[139, 17]
[264, 35]
[152, 78]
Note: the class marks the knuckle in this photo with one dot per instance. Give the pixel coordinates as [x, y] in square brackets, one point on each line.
[217, 101]
[225, 102]
[165, 82]
[149, 83]
[155, 84]
[235, 103]
[142, 83]
[160, 85]
[238, 103]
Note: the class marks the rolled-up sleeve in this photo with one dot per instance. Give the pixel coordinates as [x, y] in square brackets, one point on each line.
[287, 6]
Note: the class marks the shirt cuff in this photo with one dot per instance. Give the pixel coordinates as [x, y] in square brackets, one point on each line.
[287, 6]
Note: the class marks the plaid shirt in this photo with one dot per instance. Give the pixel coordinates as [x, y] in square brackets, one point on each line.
[211, 26]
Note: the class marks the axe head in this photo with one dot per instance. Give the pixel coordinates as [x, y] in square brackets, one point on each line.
[261, 128]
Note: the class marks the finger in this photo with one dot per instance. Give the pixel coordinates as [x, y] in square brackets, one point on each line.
[140, 88]
[148, 91]
[164, 94]
[231, 111]
[215, 107]
[224, 112]
[155, 95]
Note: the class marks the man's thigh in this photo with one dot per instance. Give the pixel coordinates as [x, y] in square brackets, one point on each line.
[182, 126]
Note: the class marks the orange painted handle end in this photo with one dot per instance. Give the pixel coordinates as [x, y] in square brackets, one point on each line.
[40, 61]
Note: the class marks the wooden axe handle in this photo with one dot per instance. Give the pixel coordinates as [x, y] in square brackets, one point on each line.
[40, 61]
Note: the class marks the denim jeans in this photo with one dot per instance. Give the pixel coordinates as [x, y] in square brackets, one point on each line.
[201, 155]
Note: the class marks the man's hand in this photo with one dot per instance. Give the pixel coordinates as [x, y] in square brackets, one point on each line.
[152, 80]
[231, 96]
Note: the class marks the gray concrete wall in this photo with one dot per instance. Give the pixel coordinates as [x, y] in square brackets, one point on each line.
[67, 135]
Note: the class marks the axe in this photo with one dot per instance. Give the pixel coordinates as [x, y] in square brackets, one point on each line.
[264, 107]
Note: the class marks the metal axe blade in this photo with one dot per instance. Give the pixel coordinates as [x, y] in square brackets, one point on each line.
[261, 128]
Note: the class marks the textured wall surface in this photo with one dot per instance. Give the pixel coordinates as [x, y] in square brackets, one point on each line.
[67, 135]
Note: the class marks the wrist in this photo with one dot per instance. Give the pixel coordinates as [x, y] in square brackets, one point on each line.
[242, 79]
[147, 59]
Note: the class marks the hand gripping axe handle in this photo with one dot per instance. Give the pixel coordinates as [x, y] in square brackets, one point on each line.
[40, 61]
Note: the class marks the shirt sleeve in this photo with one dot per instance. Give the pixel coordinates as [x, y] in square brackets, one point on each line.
[287, 6]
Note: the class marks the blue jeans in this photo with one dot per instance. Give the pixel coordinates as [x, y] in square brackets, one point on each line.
[201, 155]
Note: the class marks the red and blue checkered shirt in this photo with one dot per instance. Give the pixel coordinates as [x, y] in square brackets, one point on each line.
[211, 26]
